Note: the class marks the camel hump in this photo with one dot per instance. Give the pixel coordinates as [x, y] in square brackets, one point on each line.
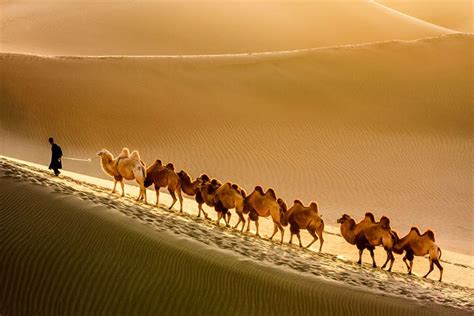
[259, 189]
[370, 216]
[430, 235]
[170, 166]
[298, 202]
[135, 155]
[125, 153]
[234, 186]
[243, 193]
[271, 192]
[385, 222]
[214, 182]
[416, 230]
[314, 206]
[205, 177]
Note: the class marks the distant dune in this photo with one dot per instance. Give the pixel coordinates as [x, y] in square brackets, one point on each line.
[383, 127]
[197, 27]
[454, 14]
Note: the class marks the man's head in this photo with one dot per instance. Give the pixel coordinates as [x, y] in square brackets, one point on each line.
[51, 140]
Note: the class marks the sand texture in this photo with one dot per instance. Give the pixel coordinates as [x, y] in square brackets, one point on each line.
[382, 127]
[68, 247]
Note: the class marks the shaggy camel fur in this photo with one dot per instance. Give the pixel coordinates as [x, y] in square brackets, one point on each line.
[301, 217]
[206, 193]
[260, 204]
[127, 166]
[164, 176]
[352, 234]
[380, 234]
[229, 196]
[416, 244]
[191, 188]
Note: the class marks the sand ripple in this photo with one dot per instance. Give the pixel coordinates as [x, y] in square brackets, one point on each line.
[323, 266]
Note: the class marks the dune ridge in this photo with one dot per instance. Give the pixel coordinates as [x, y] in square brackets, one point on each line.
[175, 27]
[72, 256]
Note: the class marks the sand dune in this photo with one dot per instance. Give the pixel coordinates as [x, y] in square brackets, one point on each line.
[384, 127]
[197, 27]
[68, 249]
[457, 15]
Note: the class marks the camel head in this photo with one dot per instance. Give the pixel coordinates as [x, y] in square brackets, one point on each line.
[344, 219]
[104, 153]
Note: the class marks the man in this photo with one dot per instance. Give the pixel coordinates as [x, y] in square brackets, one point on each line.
[56, 154]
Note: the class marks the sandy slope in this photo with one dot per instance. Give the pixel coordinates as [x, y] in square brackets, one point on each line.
[197, 27]
[454, 14]
[384, 127]
[68, 249]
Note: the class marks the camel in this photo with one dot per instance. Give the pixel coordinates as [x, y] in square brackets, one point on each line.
[229, 196]
[191, 188]
[259, 204]
[126, 166]
[164, 176]
[352, 234]
[301, 217]
[206, 192]
[380, 234]
[415, 244]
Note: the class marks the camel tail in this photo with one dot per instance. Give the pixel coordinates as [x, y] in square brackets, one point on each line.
[440, 253]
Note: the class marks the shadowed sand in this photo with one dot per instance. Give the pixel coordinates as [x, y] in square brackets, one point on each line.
[383, 127]
[198, 27]
[68, 250]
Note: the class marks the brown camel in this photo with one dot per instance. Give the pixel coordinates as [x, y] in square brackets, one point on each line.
[191, 188]
[164, 176]
[352, 234]
[126, 166]
[380, 234]
[206, 192]
[415, 244]
[229, 196]
[301, 217]
[259, 204]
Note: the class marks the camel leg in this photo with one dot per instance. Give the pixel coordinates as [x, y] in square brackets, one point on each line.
[180, 197]
[256, 226]
[115, 185]
[299, 239]
[243, 222]
[202, 210]
[411, 266]
[238, 222]
[157, 191]
[173, 195]
[143, 189]
[374, 265]
[392, 260]
[386, 261]
[360, 256]
[219, 216]
[315, 237]
[122, 184]
[440, 269]
[431, 268]
[227, 222]
[275, 229]
[406, 263]
[291, 238]
[248, 224]
[282, 232]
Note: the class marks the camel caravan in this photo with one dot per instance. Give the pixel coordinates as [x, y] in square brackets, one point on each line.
[223, 197]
